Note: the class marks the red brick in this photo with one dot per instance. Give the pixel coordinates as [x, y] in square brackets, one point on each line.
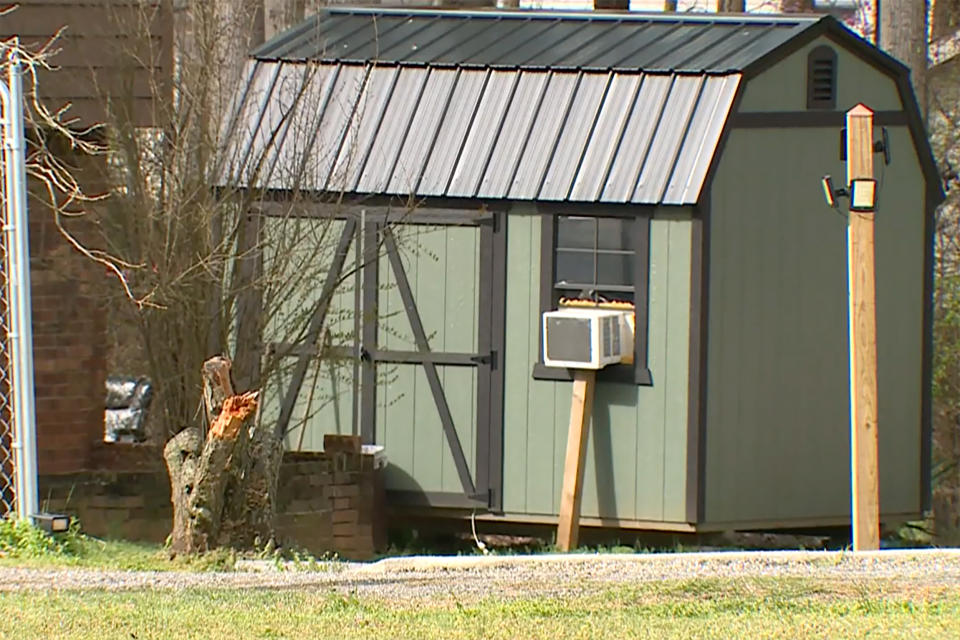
[333, 442]
[343, 503]
[342, 491]
[351, 516]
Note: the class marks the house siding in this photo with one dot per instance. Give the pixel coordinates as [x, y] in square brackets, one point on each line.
[115, 54]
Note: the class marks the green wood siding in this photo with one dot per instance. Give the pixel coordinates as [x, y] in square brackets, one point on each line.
[783, 87]
[297, 253]
[442, 266]
[636, 452]
[777, 431]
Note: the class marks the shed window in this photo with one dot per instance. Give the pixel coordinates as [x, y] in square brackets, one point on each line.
[604, 258]
[594, 258]
[822, 78]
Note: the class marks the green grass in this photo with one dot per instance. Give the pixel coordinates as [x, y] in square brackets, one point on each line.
[23, 545]
[757, 608]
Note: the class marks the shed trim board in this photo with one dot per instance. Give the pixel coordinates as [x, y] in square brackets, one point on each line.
[639, 372]
[795, 119]
[452, 129]
[932, 199]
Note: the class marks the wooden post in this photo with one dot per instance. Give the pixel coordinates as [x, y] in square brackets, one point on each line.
[865, 481]
[581, 408]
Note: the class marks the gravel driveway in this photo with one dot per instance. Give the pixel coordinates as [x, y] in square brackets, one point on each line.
[410, 578]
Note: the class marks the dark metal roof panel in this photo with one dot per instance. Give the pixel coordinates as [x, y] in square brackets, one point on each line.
[759, 48]
[605, 141]
[648, 110]
[692, 52]
[370, 112]
[334, 125]
[713, 56]
[423, 131]
[258, 92]
[560, 32]
[443, 41]
[387, 36]
[574, 136]
[510, 147]
[487, 133]
[385, 154]
[670, 37]
[505, 50]
[453, 129]
[542, 139]
[648, 42]
[701, 139]
[669, 136]
[302, 133]
[488, 122]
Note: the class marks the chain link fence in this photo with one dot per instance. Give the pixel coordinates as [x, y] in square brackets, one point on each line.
[18, 476]
[8, 504]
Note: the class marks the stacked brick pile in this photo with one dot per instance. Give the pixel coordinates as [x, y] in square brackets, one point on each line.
[333, 501]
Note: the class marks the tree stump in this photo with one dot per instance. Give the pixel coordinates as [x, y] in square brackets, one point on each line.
[220, 482]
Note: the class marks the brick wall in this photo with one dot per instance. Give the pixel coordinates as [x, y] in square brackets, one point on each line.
[331, 501]
[69, 334]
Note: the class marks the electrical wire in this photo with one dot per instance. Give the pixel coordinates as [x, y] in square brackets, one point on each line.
[476, 539]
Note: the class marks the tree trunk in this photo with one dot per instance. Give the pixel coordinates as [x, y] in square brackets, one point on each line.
[796, 6]
[903, 34]
[222, 484]
[618, 5]
[731, 6]
[946, 18]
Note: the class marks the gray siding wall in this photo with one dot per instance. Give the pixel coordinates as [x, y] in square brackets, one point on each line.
[777, 431]
[636, 453]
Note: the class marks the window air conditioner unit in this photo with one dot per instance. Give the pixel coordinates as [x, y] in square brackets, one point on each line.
[579, 338]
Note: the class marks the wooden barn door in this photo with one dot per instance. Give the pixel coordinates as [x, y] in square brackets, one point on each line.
[431, 381]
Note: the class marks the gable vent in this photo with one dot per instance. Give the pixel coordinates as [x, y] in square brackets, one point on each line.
[822, 78]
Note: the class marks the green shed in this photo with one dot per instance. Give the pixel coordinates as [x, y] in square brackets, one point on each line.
[480, 165]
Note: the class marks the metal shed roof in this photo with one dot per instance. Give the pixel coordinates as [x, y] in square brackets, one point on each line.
[478, 133]
[652, 42]
[577, 107]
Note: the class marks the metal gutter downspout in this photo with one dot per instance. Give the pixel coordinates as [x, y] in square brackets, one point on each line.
[20, 335]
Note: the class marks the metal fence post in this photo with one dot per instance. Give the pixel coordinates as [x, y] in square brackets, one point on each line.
[20, 334]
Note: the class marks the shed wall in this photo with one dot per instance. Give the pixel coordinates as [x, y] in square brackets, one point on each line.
[442, 266]
[783, 87]
[777, 422]
[636, 451]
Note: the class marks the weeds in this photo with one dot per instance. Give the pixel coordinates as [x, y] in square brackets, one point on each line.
[21, 539]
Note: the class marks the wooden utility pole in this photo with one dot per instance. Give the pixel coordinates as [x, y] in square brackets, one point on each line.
[865, 481]
[581, 408]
